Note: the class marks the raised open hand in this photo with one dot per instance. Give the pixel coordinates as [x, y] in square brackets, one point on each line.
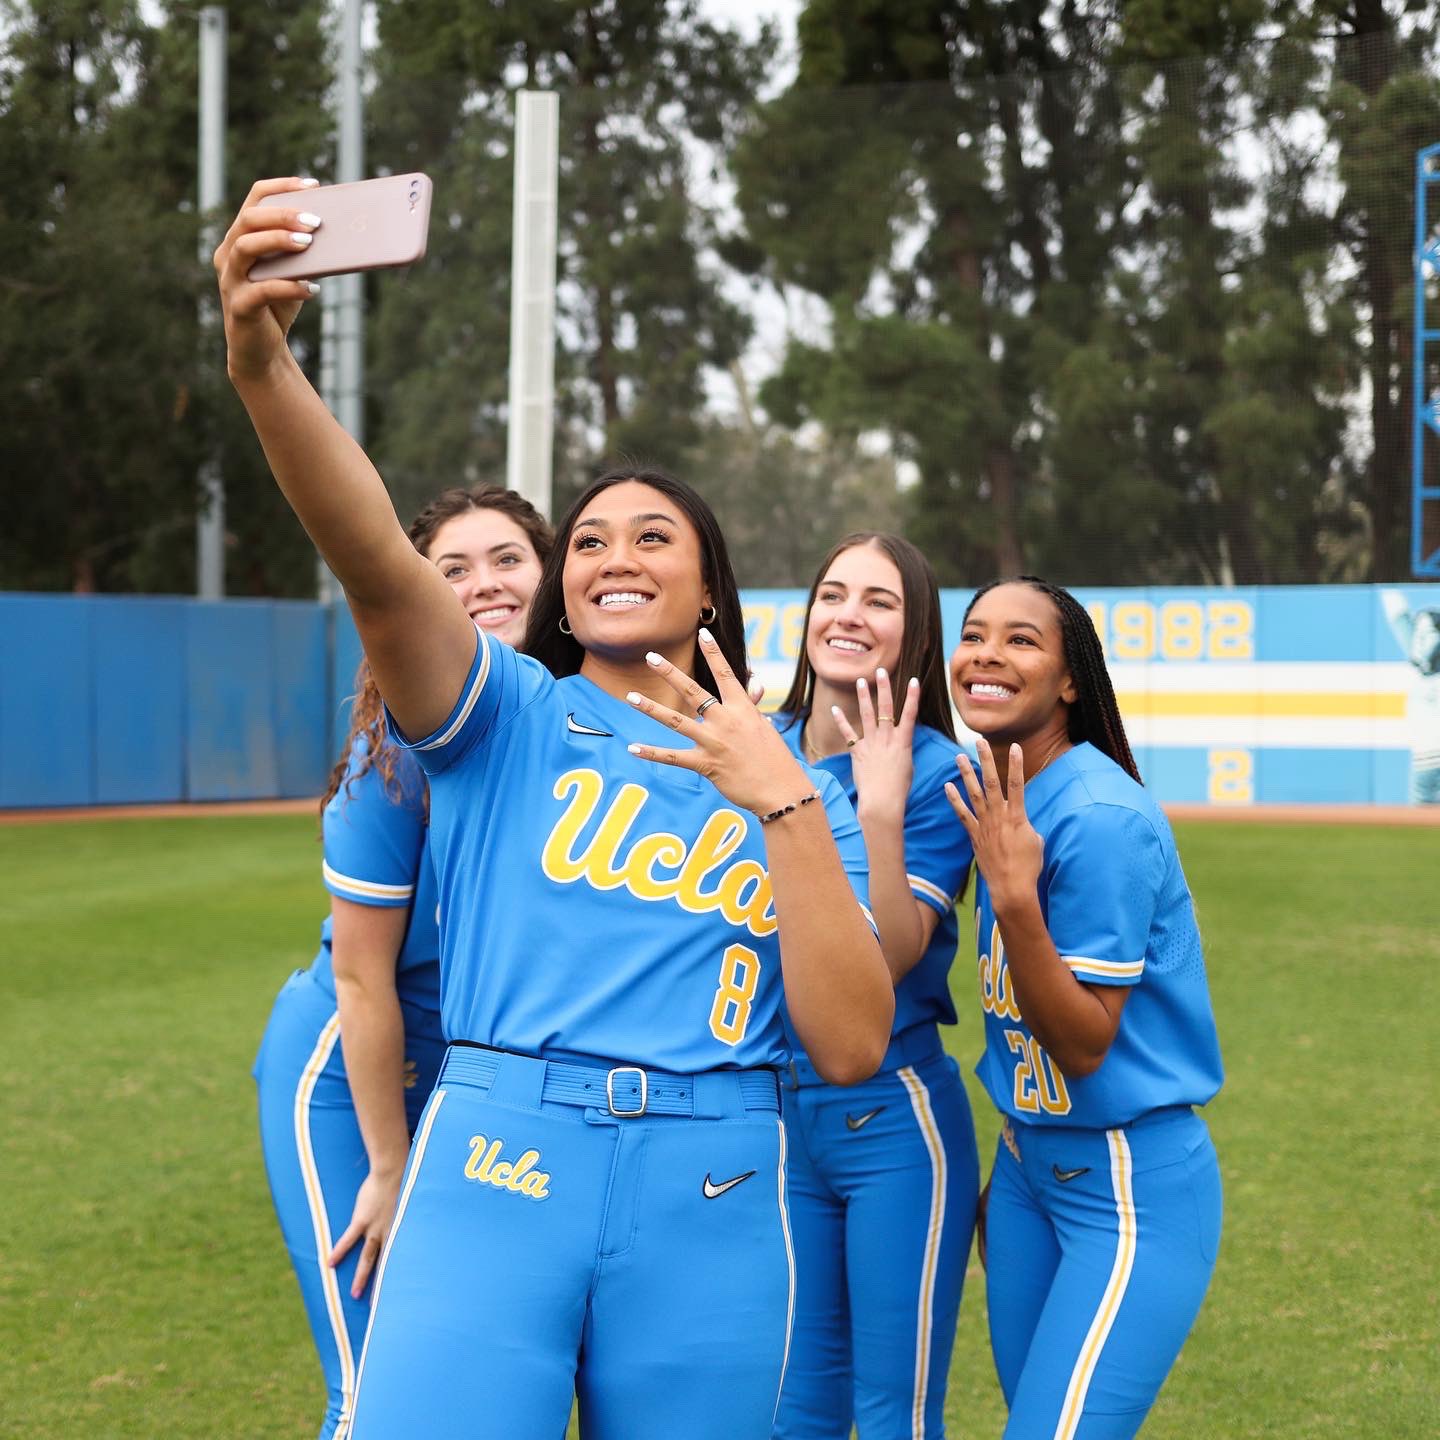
[732, 744]
[1008, 850]
[882, 755]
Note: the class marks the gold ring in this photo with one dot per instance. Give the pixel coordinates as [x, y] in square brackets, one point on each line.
[849, 744]
[885, 719]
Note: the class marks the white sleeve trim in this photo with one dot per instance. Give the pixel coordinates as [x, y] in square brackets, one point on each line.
[1110, 969]
[365, 889]
[865, 911]
[927, 890]
[477, 685]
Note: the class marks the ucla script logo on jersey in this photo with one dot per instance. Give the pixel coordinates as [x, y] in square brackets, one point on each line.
[659, 865]
[520, 1176]
[1039, 1085]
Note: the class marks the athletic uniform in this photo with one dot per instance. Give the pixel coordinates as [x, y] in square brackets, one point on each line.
[376, 853]
[1104, 1211]
[595, 1200]
[884, 1175]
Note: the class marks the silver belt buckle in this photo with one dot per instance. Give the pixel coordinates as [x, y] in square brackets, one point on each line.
[610, 1090]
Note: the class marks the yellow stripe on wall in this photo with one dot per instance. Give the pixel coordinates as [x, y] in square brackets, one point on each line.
[1290, 704]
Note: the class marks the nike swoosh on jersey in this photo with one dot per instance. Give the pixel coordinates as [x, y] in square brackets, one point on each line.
[1065, 1176]
[855, 1122]
[711, 1189]
[576, 728]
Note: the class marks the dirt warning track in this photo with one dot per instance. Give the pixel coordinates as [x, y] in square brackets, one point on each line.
[1421, 815]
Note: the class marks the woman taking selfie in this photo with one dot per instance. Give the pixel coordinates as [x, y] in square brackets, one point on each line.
[1104, 1202]
[631, 869]
[883, 1175]
[353, 1044]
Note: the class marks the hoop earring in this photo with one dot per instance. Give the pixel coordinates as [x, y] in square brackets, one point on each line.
[710, 618]
[564, 624]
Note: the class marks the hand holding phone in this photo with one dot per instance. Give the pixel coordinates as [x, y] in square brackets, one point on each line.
[367, 225]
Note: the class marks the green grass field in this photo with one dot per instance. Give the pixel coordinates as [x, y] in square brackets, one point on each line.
[144, 1291]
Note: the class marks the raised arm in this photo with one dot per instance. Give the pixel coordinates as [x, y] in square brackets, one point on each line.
[1076, 1022]
[882, 762]
[397, 598]
[837, 987]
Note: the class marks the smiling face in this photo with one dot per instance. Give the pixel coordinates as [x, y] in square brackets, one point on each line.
[492, 566]
[857, 622]
[633, 574]
[1008, 675]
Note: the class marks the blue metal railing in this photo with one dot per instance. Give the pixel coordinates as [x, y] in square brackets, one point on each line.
[1425, 404]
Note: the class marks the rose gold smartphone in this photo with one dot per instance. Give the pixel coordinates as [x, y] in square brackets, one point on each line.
[367, 225]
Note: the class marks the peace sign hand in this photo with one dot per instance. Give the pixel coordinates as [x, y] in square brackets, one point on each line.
[882, 756]
[734, 746]
[1008, 850]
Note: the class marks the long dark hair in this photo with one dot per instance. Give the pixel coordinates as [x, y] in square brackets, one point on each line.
[367, 714]
[922, 646]
[562, 654]
[1095, 715]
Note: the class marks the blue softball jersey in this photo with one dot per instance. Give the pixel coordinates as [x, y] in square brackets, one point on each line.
[1118, 908]
[597, 904]
[376, 853]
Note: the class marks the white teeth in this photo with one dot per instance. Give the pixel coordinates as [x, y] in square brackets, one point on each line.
[998, 692]
[497, 612]
[850, 647]
[623, 597]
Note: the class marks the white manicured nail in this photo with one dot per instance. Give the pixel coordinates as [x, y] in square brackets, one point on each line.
[880, 672]
[307, 219]
[706, 636]
[634, 749]
[651, 658]
[301, 240]
[312, 287]
[309, 183]
[633, 696]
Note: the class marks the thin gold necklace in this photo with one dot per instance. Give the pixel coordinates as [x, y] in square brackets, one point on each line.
[1049, 755]
[811, 753]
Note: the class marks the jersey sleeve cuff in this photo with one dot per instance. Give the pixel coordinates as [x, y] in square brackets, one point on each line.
[438, 739]
[1105, 972]
[931, 893]
[365, 892]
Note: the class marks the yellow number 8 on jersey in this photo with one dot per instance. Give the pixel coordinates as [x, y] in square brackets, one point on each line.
[739, 975]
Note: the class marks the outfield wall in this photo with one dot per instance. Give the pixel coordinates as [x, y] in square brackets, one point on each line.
[126, 699]
[1232, 697]
[1322, 694]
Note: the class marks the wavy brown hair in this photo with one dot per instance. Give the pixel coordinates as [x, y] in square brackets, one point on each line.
[367, 714]
[922, 646]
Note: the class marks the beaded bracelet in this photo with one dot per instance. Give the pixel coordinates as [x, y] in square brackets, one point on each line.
[787, 809]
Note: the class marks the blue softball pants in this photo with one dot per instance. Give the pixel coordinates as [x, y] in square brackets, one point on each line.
[570, 1229]
[315, 1161]
[1100, 1245]
[884, 1178]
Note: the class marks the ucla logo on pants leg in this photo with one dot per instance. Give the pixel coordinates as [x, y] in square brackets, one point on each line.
[520, 1176]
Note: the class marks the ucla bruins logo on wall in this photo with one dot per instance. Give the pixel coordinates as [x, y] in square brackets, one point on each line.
[519, 1176]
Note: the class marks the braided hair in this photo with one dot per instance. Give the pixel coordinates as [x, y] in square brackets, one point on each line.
[1095, 715]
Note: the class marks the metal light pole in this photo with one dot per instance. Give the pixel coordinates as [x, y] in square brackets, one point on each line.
[210, 522]
[342, 297]
[530, 436]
